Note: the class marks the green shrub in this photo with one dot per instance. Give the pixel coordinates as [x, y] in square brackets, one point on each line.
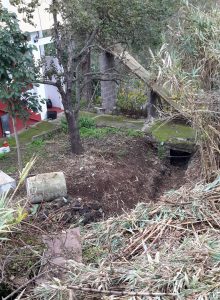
[131, 102]
[98, 132]
[98, 101]
[161, 151]
[134, 133]
[84, 122]
[64, 125]
[38, 143]
[2, 156]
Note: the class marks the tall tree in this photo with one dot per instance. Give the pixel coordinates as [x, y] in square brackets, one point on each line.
[17, 72]
[86, 24]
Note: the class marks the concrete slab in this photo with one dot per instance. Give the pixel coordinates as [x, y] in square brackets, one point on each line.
[61, 247]
[6, 183]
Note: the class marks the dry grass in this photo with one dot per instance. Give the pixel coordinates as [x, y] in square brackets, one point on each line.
[12, 215]
[171, 247]
[187, 65]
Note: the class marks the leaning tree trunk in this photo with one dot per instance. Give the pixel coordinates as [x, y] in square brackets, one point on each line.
[17, 145]
[73, 128]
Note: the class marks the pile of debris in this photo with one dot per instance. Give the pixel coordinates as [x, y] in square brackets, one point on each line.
[166, 249]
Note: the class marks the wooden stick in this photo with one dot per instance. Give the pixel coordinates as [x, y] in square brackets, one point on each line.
[160, 233]
[120, 293]
[143, 240]
[24, 286]
[136, 241]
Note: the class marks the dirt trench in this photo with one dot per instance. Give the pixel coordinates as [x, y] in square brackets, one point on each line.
[113, 175]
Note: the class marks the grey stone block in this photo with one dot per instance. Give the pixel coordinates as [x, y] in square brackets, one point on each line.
[6, 183]
[46, 187]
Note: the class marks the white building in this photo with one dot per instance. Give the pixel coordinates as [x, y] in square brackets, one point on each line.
[40, 36]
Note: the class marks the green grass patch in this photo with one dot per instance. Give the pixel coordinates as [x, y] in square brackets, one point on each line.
[2, 156]
[105, 131]
[134, 133]
[116, 119]
[36, 145]
[26, 136]
[97, 132]
[87, 114]
[171, 132]
[88, 129]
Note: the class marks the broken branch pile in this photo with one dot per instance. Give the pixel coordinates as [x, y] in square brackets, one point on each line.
[167, 249]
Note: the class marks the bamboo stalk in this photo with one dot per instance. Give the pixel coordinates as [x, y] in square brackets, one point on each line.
[120, 293]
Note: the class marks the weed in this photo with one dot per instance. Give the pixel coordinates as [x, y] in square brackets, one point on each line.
[161, 151]
[98, 132]
[2, 156]
[88, 129]
[122, 153]
[35, 146]
[92, 254]
[64, 125]
[10, 170]
[134, 133]
[85, 122]
[38, 143]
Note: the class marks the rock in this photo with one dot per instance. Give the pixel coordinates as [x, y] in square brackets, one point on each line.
[6, 183]
[100, 110]
[61, 248]
[46, 187]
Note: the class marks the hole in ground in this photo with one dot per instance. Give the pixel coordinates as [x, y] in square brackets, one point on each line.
[179, 158]
[6, 290]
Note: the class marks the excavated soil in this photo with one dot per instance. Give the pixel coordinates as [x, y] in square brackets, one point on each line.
[114, 174]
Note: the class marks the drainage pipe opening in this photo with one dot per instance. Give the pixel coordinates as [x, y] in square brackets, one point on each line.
[179, 158]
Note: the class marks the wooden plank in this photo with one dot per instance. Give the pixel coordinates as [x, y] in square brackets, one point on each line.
[135, 67]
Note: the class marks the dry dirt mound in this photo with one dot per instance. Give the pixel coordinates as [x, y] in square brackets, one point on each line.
[114, 174]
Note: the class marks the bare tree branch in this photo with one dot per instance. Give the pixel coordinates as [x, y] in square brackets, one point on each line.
[46, 82]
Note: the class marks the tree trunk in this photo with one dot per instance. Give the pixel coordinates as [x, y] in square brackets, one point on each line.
[17, 145]
[74, 135]
[73, 129]
[152, 105]
[87, 82]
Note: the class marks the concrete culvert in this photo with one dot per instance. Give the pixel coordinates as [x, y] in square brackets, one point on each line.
[179, 158]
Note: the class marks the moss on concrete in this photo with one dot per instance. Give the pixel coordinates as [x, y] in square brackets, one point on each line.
[170, 132]
[118, 122]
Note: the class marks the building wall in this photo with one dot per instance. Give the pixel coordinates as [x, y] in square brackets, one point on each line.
[51, 91]
[43, 21]
[41, 18]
